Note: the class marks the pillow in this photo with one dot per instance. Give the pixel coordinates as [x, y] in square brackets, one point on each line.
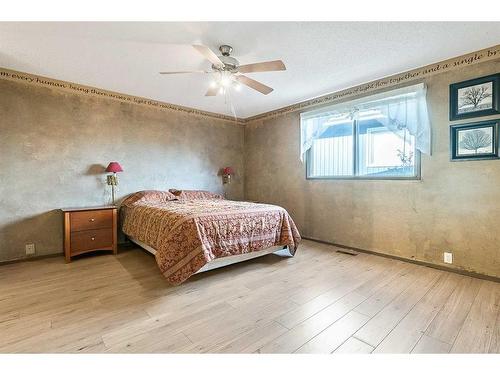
[195, 194]
[149, 196]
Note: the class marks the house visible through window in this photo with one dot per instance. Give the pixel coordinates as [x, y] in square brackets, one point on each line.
[378, 137]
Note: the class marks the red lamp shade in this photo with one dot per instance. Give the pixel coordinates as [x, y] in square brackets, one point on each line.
[228, 171]
[114, 167]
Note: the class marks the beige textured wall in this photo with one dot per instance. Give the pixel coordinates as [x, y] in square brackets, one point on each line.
[54, 147]
[455, 207]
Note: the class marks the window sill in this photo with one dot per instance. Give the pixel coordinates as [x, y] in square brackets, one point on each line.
[363, 178]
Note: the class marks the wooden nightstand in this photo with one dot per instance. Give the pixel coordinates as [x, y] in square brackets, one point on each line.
[89, 229]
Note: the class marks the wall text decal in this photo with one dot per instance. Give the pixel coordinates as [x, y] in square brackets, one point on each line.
[32, 79]
[486, 54]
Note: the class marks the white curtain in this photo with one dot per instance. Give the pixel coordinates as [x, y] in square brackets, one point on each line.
[400, 110]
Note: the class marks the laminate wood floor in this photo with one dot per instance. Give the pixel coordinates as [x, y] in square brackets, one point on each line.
[320, 301]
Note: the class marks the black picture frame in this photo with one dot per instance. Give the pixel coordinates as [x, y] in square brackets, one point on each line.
[454, 90]
[457, 155]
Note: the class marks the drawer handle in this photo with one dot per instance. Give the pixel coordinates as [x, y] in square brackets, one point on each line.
[92, 219]
[93, 238]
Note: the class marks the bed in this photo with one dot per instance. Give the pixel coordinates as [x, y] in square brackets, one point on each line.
[193, 232]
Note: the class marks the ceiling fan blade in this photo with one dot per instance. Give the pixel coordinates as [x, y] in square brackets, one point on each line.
[185, 72]
[208, 54]
[212, 91]
[268, 66]
[256, 85]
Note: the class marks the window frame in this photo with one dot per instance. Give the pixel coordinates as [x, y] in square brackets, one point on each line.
[416, 177]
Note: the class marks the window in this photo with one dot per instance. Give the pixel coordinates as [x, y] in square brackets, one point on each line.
[375, 137]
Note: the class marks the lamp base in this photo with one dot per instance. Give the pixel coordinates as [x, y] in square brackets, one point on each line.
[112, 180]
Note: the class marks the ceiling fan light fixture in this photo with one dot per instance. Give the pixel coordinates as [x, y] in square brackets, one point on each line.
[225, 81]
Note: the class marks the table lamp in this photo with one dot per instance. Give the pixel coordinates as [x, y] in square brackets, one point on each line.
[227, 172]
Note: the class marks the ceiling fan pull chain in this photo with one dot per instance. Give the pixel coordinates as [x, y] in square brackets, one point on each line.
[232, 106]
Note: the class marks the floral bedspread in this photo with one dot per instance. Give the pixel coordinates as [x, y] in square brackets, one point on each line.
[187, 234]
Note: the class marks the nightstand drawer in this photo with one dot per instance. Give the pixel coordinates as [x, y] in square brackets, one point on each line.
[84, 220]
[91, 240]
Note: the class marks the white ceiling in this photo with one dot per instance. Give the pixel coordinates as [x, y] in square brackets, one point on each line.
[321, 57]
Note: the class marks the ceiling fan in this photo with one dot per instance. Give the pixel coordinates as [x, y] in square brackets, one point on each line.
[228, 71]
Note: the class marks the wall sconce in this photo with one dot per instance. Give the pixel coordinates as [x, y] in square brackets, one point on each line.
[112, 179]
[227, 172]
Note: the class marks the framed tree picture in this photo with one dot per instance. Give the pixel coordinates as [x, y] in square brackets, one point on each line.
[475, 141]
[475, 97]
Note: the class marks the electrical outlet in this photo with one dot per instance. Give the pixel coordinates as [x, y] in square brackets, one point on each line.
[30, 249]
[448, 257]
